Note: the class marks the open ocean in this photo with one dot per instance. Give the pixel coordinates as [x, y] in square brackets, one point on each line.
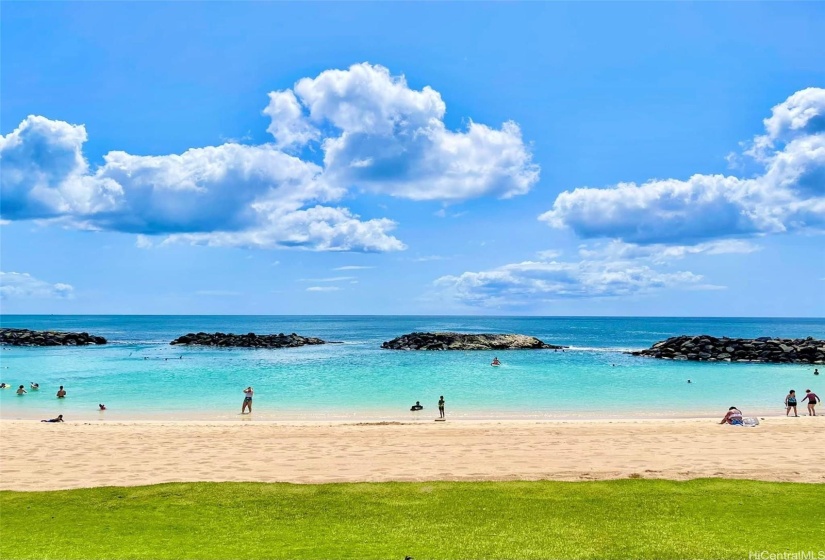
[138, 375]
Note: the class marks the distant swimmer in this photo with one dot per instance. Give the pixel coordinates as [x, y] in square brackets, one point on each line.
[5, 386]
[495, 362]
[689, 381]
[34, 386]
[61, 393]
[58, 419]
[247, 400]
[102, 406]
[21, 390]
[417, 406]
[816, 371]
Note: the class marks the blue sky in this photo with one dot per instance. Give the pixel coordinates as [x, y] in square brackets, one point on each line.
[550, 159]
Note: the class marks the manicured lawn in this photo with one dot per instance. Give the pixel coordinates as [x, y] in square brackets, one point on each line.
[617, 519]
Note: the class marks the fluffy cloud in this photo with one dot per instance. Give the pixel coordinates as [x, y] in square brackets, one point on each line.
[376, 133]
[601, 270]
[385, 137]
[788, 194]
[14, 285]
[525, 283]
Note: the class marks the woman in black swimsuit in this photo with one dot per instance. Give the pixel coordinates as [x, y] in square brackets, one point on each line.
[790, 403]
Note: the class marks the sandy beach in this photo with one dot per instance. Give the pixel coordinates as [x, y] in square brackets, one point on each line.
[38, 456]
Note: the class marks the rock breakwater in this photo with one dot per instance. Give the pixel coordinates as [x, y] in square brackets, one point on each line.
[706, 348]
[250, 340]
[460, 341]
[26, 337]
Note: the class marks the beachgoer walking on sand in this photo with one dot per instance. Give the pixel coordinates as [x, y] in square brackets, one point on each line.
[61, 393]
[790, 403]
[247, 400]
[812, 400]
[441, 407]
[21, 390]
[733, 417]
[58, 419]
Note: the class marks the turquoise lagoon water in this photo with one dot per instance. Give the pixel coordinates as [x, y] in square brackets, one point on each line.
[140, 376]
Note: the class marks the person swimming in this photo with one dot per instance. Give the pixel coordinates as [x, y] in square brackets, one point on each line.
[495, 362]
[5, 386]
[416, 406]
[58, 419]
[34, 386]
[21, 390]
[102, 406]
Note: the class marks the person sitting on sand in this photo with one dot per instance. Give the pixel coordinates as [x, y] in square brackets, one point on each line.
[733, 417]
[34, 386]
[102, 406]
[58, 419]
[21, 390]
[247, 400]
[417, 406]
[790, 403]
[495, 362]
[61, 393]
[810, 395]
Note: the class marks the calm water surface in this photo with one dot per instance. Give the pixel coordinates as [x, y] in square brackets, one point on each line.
[140, 376]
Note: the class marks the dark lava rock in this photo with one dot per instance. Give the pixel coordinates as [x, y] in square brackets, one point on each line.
[763, 349]
[26, 337]
[459, 341]
[250, 340]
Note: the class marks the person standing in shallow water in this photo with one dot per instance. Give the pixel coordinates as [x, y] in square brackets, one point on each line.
[790, 403]
[247, 400]
[441, 407]
[812, 400]
[61, 393]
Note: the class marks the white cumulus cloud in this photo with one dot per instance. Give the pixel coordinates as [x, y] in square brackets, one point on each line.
[18, 285]
[375, 132]
[788, 193]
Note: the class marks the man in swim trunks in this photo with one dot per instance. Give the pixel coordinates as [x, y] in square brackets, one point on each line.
[247, 400]
[417, 406]
[441, 407]
[58, 419]
[813, 399]
[61, 393]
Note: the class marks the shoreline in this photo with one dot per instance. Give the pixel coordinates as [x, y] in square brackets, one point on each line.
[38, 456]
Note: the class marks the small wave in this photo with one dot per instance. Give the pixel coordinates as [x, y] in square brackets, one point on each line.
[601, 349]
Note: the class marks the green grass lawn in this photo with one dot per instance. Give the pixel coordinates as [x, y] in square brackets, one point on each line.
[709, 518]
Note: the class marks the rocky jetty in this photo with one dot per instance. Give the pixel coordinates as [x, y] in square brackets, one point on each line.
[459, 341]
[705, 348]
[26, 337]
[250, 340]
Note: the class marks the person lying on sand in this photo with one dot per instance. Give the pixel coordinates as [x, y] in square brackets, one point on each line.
[733, 417]
[58, 419]
[417, 406]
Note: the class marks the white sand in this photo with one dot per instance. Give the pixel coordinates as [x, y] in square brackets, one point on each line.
[38, 456]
